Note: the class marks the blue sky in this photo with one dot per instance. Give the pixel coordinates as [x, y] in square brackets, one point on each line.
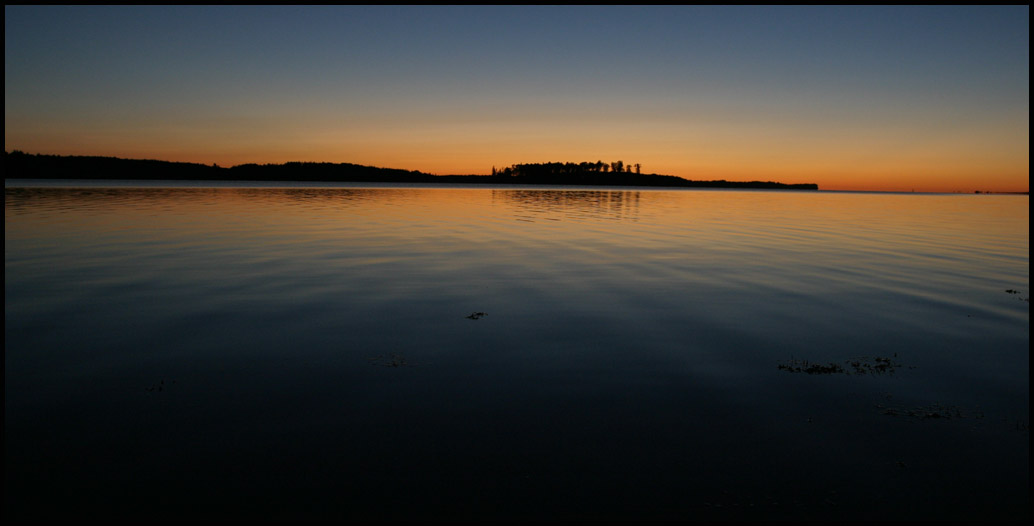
[850, 97]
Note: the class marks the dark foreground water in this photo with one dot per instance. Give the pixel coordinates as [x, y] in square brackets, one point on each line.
[468, 353]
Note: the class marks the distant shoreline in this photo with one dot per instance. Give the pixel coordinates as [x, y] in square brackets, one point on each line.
[20, 165]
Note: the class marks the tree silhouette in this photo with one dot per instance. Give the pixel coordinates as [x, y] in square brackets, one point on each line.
[18, 164]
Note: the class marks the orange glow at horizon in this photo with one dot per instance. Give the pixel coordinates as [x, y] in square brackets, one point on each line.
[901, 98]
[794, 151]
[901, 174]
[787, 150]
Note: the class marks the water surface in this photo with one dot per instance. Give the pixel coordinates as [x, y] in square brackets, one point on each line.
[179, 351]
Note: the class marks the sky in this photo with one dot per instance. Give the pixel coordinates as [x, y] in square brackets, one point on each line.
[892, 98]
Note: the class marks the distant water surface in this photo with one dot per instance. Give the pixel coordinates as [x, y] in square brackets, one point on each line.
[185, 351]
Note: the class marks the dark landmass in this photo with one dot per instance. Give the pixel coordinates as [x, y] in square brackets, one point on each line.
[20, 165]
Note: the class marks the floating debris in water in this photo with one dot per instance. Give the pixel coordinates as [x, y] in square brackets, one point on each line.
[1014, 291]
[390, 360]
[877, 365]
[803, 366]
[864, 365]
[477, 315]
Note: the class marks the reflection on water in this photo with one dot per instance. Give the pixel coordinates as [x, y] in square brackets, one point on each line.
[554, 205]
[463, 352]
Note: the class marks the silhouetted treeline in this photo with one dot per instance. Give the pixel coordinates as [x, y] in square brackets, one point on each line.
[615, 174]
[20, 165]
[566, 169]
[333, 172]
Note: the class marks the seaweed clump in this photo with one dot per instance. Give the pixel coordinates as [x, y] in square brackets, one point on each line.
[877, 365]
[1014, 291]
[803, 366]
[863, 365]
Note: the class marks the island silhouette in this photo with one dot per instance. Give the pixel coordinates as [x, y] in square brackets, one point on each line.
[21, 165]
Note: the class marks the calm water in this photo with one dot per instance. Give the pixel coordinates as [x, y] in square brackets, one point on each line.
[200, 352]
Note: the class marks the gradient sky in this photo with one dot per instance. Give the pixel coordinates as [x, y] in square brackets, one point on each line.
[852, 98]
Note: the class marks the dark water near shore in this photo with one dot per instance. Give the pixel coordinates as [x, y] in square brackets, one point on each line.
[312, 352]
